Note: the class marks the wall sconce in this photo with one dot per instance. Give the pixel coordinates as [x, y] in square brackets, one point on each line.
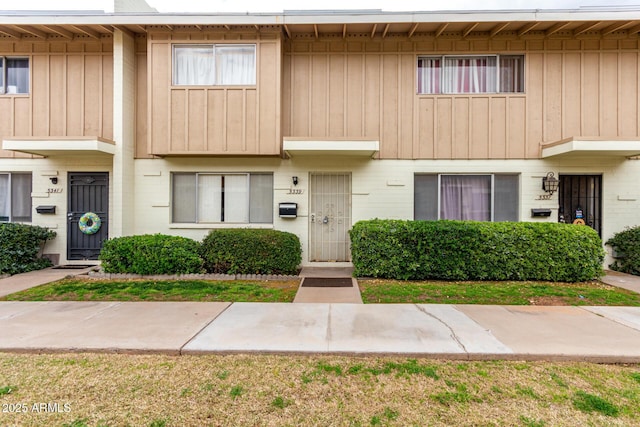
[550, 183]
[295, 180]
[54, 179]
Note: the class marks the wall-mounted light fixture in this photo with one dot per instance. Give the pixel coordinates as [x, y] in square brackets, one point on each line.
[295, 180]
[550, 183]
[54, 179]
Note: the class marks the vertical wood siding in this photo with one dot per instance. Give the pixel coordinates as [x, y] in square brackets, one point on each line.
[70, 91]
[214, 120]
[367, 89]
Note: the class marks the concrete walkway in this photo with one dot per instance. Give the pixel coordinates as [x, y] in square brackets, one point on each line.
[622, 280]
[465, 332]
[20, 282]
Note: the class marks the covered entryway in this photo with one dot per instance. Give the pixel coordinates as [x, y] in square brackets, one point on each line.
[329, 217]
[580, 200]
[88, 193]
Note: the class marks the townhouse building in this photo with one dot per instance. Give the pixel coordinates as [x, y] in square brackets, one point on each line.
[310, 121]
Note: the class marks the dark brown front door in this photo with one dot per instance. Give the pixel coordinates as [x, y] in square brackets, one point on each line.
[88, 193]
[580, 200]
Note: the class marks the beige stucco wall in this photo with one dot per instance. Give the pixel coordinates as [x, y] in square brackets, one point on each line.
[380, 188]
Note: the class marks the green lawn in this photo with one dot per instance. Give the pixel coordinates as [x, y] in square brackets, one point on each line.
[373, 291]
[500, 293]
[160, 290]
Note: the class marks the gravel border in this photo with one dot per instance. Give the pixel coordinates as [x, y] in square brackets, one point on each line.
[111, 276]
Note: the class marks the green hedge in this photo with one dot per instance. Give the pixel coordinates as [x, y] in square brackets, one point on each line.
[20, 248]
[251, 251]
[468, 250]
[627, 247]
[151, 254]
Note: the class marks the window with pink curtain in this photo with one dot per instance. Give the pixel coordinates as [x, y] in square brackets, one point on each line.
[471, 74]
[512, 73]
[465, 197]
[429, 75]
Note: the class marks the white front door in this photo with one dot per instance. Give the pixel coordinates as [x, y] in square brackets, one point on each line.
[329, 217]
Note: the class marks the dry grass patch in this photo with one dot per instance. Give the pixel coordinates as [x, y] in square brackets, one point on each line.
[252, 390]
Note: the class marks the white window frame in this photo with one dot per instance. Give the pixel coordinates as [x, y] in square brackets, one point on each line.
[9, 196]
[444, 70]
[196, 206]
[213, 47]
[4, 87]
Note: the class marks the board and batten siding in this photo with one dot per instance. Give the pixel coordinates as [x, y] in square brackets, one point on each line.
[70, 91]
[214, 120]
[368, 89]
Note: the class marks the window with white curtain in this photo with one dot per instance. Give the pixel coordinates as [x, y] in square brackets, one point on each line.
[15, 197]
[14, 75]
[471, 74]
[214, 64]
[490, 197]
[222, 198]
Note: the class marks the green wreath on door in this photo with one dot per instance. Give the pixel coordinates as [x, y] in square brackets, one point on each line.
[89, 223]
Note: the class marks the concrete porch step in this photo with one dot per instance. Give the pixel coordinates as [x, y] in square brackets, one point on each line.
[350, 295]
[326, 271]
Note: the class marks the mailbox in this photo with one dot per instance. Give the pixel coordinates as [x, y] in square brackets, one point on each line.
[540, 212]
[288, 210]
[48, 209]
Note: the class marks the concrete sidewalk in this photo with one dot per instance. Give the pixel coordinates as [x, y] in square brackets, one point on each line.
[466, 332]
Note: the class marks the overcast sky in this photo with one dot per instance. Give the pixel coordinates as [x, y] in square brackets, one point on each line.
[280, 5]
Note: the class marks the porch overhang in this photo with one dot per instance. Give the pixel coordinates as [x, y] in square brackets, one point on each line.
[48, 146]
[333, 147]
[592, 147]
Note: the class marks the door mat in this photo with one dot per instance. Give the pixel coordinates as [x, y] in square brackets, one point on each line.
[71, 267]
[327, 282]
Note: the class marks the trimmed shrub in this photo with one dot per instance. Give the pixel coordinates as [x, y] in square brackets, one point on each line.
[151, 254]
[21, 246]
[251, 251]
[627, 247]
[469, 250]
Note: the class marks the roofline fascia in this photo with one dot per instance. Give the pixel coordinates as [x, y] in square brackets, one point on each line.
[319, 17]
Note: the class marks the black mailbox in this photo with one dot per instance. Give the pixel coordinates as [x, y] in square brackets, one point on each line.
[49, 209]
[288, 210]
[540, 212]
